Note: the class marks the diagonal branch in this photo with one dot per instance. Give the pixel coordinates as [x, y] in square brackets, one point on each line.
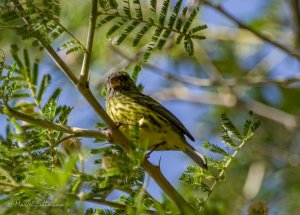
[84, 74]
[295, 8]
[270, 40]
[76, 132]
[210, 82]
[118, 137]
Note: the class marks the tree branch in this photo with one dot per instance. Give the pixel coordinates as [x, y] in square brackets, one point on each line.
[17, 186]
[295, 8]
[280, 46]
[84, 74]
[118, 137]
[76, 132]
[207, 82]
[230, 100]
[221, 174]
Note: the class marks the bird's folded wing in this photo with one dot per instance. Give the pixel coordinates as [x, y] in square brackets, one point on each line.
[162, 111]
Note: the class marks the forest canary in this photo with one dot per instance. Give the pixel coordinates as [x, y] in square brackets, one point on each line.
[158, 127]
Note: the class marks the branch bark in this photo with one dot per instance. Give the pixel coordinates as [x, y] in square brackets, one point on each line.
[270, 40]
[84, 75]
[76, 132]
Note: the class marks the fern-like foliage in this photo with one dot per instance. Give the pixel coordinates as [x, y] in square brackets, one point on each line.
[120, 172]
[234, 140]
[131, 18]
[21, 92]
[31, 167]
[37, 20]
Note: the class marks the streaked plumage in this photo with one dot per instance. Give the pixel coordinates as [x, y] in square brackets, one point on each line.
[159, 128]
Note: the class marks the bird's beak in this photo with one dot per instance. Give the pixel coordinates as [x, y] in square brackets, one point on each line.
[115, 82]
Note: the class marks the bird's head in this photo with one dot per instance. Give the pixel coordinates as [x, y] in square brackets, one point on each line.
[120, 81]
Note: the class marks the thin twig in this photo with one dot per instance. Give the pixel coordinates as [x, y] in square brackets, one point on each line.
[295, 8]
[84, 74]
[76, 132]
[290, 121]
[215, 82]
[270, 40]
[75, 197]
[221, 174]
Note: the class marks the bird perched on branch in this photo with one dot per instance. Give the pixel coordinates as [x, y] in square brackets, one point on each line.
[158, 127]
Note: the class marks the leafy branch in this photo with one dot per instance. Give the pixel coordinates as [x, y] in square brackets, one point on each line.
[126, 22]
[264, 37]
[234, 140]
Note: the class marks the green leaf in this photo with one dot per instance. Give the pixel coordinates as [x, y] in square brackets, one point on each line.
[228, 140]
[134, 24]
[20, 95]
[197, 28]
[179, 38]
[45, 82]
[115, 27]
[35, 74]
[164, 38]
[255, 126]
[137, 69]
[174, 14]
[63, 114]
[105, 20]
[246, 127]
[126, 9]
[74, 49]
[113, 4]
[163, 12]
[228, 125]
[189, 46]
[153, 5]
[198, 37]
[138, 9]
[190, 19]
[25, 106]
[216, 149]
[56, 93]
[14, 50]
[67, 44]
[140, 34]
[152, 45]
[49, 110]
[27, 63]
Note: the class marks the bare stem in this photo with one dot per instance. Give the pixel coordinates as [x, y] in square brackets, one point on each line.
[270, 40]
[222, 173]
[295, 8]
[84, 74]
[212, 82]
[75, 132]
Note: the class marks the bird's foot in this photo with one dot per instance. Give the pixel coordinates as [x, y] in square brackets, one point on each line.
[155, 147]
[119, 124]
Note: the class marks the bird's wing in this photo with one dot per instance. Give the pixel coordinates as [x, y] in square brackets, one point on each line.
[161, 110]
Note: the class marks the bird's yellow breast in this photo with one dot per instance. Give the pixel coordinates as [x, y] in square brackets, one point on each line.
[154, 130]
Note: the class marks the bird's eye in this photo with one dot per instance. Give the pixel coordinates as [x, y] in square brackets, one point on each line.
[125, 78]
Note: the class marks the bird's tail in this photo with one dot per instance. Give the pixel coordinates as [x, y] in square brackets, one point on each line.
[196, 156]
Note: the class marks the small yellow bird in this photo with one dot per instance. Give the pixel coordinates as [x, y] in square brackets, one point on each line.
[159, 128]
